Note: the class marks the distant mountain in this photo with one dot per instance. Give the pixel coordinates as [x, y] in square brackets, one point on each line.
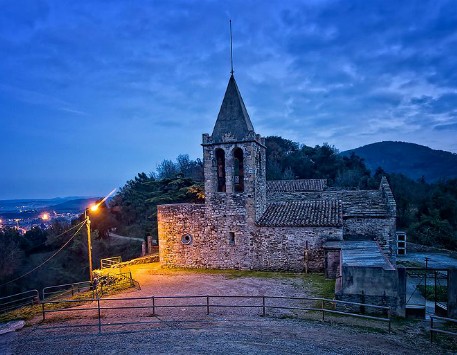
[75, 206]
[412, 160]
[59, 204]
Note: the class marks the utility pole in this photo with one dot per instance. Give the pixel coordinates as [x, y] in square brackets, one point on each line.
[89, 245]
[426, 266]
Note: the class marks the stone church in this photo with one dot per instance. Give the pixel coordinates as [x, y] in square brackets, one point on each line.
[248, 222]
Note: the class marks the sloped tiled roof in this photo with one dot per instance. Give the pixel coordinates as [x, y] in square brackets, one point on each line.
[233, 118]
[324, 213]
[364, 204]
[296, 185]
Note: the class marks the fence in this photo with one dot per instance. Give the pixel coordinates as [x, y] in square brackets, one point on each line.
[210, 303]
[110, 262]
[441, 320]
[11, 302]
[66, 290]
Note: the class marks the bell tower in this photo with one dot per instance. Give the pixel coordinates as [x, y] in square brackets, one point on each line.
[234, 161]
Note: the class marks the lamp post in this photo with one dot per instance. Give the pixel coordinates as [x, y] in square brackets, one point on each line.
[89, 245]
[93, 208]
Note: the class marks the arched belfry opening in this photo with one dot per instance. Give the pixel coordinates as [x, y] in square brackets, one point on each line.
[220, 163]
[238, 169]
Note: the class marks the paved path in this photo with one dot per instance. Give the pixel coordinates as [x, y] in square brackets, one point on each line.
[435, 260]
[114, 235]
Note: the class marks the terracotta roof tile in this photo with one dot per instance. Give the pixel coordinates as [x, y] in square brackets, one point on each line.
[296, 185]
[364, 204]
[324, 213]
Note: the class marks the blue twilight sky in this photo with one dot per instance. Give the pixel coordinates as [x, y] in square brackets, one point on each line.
[93, 92]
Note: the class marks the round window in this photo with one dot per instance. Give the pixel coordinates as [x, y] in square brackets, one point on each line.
[186, 239]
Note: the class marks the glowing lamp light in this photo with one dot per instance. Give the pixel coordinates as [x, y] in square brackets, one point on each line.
[94, 208]
[45, 216]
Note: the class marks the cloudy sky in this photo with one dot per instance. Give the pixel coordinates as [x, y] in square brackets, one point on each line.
[93, 92]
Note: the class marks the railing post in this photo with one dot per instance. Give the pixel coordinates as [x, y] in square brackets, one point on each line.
[323, 311]
[42, 309]
[389, 314]
[207, 305]
[431, 329]
[99, 317]
[263, 306]
[153, 306]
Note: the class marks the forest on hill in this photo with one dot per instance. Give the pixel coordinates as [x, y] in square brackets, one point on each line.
[412, 160]
[427, 211]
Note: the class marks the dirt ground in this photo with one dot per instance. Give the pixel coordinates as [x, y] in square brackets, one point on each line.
[187, 329]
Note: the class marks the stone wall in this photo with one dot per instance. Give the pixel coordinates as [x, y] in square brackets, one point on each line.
[332, 263]
[372, 285]
[292, 248]
[380, 229]
[222, 238]
[174, 222]
[392, 212]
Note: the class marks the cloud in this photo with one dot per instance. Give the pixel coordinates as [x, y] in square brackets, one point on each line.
[346, 72]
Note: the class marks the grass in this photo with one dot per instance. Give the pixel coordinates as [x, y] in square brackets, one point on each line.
[441, 292]
[227, 273]
[321, 286]
[29, 312]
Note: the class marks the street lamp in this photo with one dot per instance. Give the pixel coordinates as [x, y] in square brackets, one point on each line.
[93, 208]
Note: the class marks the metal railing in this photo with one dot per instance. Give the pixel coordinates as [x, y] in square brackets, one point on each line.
[69, 290]
[32, 297]
[208, 303]
[66, 290]
[107, 263]
[116, 278]
[18, 300]
[433, 324]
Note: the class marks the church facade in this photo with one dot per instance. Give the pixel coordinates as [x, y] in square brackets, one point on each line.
[248, 222]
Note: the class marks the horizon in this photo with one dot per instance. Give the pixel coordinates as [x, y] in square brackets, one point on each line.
[103, 93]
[101, 195]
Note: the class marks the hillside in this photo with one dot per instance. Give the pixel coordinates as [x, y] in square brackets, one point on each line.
[412, 160]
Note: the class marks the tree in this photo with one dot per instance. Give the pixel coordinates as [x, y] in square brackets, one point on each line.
[135, 206]
[167, 170]
[11, 255]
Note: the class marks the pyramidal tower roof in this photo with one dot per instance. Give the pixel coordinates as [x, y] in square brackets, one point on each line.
[233, 118]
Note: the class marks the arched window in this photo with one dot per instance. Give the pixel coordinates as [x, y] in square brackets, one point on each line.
[220, 161]
[238, 170]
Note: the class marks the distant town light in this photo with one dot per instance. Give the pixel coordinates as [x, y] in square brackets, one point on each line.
[45, 216]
